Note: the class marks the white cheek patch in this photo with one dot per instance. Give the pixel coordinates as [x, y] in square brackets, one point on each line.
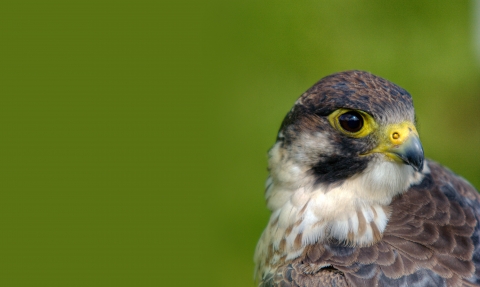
[311, 146]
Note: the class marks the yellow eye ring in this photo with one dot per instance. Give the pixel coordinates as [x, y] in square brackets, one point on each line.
[353, 123]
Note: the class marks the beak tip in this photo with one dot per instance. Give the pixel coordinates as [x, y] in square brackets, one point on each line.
[412, 154]
[416, 162]
[418, 166]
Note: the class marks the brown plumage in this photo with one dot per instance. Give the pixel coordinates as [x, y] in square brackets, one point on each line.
[432, 232]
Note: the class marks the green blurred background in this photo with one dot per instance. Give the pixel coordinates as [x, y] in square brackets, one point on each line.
[133, 135]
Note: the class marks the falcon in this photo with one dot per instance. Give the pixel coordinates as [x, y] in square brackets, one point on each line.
[353, 201]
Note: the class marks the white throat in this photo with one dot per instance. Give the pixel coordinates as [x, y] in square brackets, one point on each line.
[355, 212]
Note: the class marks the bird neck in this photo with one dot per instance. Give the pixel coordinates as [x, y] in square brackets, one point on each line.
[355, 211]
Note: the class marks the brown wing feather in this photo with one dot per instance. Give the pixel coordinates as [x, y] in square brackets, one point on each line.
[295, 276]
[432, 239]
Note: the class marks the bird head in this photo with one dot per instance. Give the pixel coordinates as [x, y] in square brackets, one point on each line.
[348, 124]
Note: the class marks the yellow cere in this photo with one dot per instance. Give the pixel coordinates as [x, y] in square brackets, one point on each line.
[392, 136]
[399, 133]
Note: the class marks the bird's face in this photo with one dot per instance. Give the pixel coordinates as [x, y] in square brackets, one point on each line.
[347, 122]
[398, 142]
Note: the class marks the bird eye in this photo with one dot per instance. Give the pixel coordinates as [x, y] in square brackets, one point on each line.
[351, 121]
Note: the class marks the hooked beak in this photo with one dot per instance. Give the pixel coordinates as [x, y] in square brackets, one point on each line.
[402, 144]
[410, 152]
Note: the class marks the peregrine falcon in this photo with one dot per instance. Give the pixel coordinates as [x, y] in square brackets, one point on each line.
[354, 202]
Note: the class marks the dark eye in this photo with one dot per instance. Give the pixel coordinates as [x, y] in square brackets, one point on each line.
[351, 121]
